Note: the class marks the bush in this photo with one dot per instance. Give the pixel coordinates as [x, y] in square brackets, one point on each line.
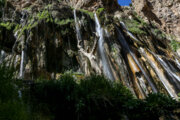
[11, 106]
[95, 98]
[175, 45]
[91, 98]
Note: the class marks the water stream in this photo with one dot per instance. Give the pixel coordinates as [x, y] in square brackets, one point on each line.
[126, 46]
[159, 73]
[78, 33]
[106, 67]
[24, 47]
[2, 56]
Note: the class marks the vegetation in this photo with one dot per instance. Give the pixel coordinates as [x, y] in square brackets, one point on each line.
[7, 25]
[91, 14]
[2, 3]
[11, 106]
[99, 11]
[135, 26]
[175, 45]
[90, 98]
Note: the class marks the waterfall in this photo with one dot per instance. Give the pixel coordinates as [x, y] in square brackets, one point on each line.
[178, 63]
[106, 67]
[126, 46]
[175, 79]
[79, 37]
[167, 68]
[2, 56]
[24, 47]
[21, 73]
[159, 73]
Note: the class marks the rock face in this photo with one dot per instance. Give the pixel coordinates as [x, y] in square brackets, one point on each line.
[94, 4]
[164, 12]
[44, 39]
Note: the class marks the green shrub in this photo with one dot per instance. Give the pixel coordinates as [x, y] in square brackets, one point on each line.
[11, 106]
[2, 3]
[135, 26]
[96, 97]
[175, 45]
[91, 14]
[99, 11]
[91, 98]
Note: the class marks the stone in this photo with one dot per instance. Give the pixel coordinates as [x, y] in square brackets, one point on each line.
[163, 12]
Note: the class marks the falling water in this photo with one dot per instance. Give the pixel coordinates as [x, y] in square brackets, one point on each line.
[2, 56]
[178, 63]
[175, 79]
[21, 74]
[100, 32]
[159, 73]
[79, 37]
[24, 48]
[126, 46]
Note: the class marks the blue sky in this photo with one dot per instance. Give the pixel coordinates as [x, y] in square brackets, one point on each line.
[124, 2]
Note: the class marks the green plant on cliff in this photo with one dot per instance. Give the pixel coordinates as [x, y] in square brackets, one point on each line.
[91, 14]
[64, 21]
[95, 98]
[135, 26]
[7, 25]
[99, 11]
[175, 45]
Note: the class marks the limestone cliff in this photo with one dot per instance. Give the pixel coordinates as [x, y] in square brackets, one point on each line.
[166, 13]
[43, 39]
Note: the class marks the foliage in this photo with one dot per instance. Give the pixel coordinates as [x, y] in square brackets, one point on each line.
[94, 98]
[91, 98]
[135, 26]
[175, 45]
[7, 25]
[153, 107]
[91, 14]
[2, 3]
[63, 21]
[11, 106]
[99, 11]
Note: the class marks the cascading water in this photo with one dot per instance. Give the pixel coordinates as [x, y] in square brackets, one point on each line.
[126, 46]
[106, 68]
[24, 49]
[178, 63]
[78, 33]
[175, 79]
[2, 56]
[159, 73]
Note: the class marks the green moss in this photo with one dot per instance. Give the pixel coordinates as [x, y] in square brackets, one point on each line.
[7, 25]
[99, 11]
[135, 26]
[91, 14]
[44, 15]
[64, 21]
[175, 45]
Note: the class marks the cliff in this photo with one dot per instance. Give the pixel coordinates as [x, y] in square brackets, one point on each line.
[43, 39]
[165, 13]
